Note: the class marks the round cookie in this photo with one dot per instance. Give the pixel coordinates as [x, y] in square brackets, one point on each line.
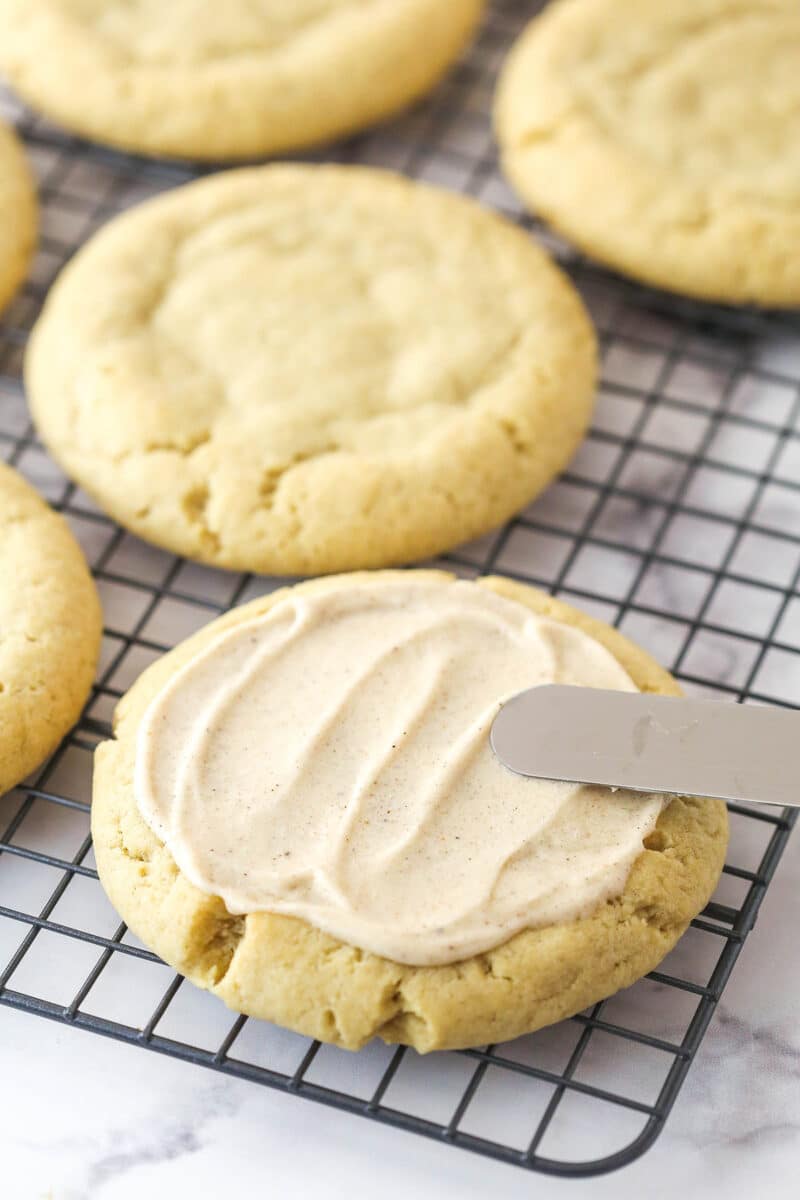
[282, 969]
[239, 79]
[50, 626]
[304, 369]
[17, 215]
[661, 139]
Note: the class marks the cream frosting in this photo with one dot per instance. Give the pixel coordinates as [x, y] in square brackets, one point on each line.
[330, 760]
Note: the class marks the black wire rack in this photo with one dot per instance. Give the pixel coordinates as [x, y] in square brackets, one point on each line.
[678, 521]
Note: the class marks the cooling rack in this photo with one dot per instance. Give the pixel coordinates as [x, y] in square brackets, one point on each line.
[678, 521]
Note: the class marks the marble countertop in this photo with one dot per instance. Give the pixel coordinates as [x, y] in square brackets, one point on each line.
[92, 1119]
[679, 518]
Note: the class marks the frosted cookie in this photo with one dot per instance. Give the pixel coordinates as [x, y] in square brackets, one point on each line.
[302, 813]
[238, 79]
[297, 369]
[662, 139]
[50, 624]
[17, 215]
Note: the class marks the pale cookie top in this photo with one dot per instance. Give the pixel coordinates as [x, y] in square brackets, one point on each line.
[231, 78]
[300, 369]
[330, 760]
[662, 139]
[50, 625]
[18, 214]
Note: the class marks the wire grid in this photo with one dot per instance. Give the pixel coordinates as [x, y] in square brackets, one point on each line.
[679, 521]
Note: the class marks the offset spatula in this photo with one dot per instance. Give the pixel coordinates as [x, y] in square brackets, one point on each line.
[652, 743]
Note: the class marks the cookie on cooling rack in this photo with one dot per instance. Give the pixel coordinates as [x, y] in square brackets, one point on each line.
[662, 139]
[18, 215]
[238, 79]
[301, 812]
[303, 369]
[50, 625]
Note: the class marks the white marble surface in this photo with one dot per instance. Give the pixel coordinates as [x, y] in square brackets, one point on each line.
[89, 1119]
[85, 1117]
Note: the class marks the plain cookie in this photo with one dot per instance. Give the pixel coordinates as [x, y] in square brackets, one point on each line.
[304, 369]
[18, 215]
[50, 626]
[284, 970]
[662, 139]
[233, 79]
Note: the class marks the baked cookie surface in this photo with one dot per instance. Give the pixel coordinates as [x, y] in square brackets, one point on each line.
[238, 79]
[18, 214]
[297, 369]
[282, 969]
[50, 625]
[661, 139]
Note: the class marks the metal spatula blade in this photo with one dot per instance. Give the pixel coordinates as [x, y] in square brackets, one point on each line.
[652, 743]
